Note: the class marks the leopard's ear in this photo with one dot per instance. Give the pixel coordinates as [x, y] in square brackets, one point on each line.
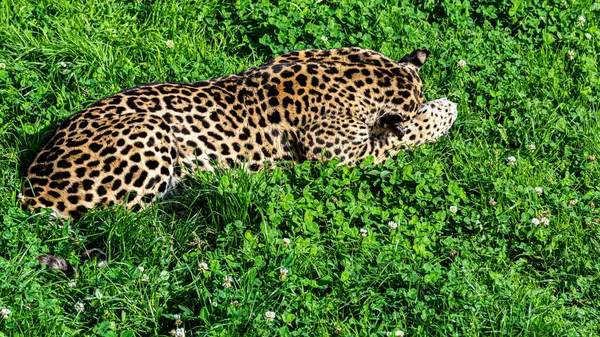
[416, 58]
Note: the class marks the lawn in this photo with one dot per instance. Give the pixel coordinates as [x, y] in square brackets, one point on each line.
[492, 231]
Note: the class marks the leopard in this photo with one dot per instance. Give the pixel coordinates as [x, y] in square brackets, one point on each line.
[135, 146]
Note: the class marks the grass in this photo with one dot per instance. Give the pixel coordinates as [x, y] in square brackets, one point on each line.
[466, 258]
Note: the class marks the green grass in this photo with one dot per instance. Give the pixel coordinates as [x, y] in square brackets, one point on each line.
[485, 270]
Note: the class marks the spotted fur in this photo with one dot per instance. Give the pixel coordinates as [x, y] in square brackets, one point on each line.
[134, 146]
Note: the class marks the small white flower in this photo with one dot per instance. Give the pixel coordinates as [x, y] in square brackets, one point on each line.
[2, 66]
[179, 332]
[399, 333]
[164, 275]
[72, 284]
[269, 316]
[324, 38]
[79, 307]
[545, 221]
[141, 269]
[227, 281]
[393, 225]
[588, 36]
[4, 312]
[535, 221]
[145, 278]
[581, 20]
[102, 264]
[286, 242]
[532, 147]
[364, 232]
[453, 209]
[461, 64]
[20, 196]
[177, 316]
[170, 43]
[571, 55]
[203, 267]
[511, 161]
[63, 64]
[539, 190]
[283, 272]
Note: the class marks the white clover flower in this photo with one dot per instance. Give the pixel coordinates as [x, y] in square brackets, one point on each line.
[364, 232]
[571, 55]
[453, 209]
[545, 221]
[461, 63]
[4, 312]
[178, 332]
[539, 190]
[532, 147]
[144, 278]
[72, 284]
[177, 316]
[203, 267]
[535, 221]
[588, 36]
[324, 38]
[2, 66]
[164, 275]
[393, 225]
[170, 43]
[283, 272]
[227, 281]
[79, 307]
[141, 269]
[399, 333]
[63, 64]
[492, 202]
[511, 161]
[269, 316]
[286, 242]
[580, 20]
[102, 264]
